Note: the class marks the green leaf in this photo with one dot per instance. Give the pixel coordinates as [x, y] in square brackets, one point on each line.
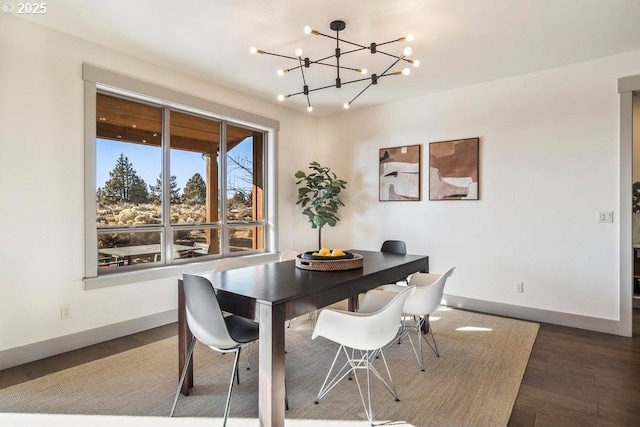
[318, 194]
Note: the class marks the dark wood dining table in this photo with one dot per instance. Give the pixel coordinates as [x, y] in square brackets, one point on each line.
[275, 292]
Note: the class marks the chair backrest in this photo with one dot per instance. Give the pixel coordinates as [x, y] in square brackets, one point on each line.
[288, 254]
[394, 246]
[229, 264]
[204, 315]
[365, 331]
[383, 324]
[427, 294]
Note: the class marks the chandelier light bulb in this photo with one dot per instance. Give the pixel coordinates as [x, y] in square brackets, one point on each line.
[416, 63]
[307, 30]
[281, 72]
[364, 71]
[409, 37]
[280, 97]
[298, 52]
[346, 105]
[406, 72]
[309, 108]
[407, 51]
[253, 50]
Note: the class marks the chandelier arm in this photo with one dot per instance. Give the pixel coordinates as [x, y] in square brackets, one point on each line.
[292, 69]
[356, 50]
[345, 83]
[304, 81]
[341, 53]
[295, 58]
[342, 40]
[334, 65]
[401, 39]
[333, 85]
[394, 63]
[357, 80]
[361, 92]
[403, 57]
[395, 73]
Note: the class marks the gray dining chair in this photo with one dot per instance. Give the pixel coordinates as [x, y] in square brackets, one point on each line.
[211, 328]
[394, 247]
[398, 247]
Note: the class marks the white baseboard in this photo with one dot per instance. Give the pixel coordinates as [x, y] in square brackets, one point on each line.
[40, 350]
[537, 315]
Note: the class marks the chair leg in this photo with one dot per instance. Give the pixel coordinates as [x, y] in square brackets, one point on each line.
[434, 347]
[183, 375]
[348, 370]
[418, 326]
[286, 394]
[238, 375]
[233, 375]
[291, 322]
[250, 355]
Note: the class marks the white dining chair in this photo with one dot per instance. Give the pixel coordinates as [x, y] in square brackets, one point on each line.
[362, 337]
[288, 254]
[425, 298]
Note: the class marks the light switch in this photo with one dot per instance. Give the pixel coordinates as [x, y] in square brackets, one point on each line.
[605, 216]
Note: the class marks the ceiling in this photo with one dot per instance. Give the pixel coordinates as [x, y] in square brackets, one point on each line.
[458, 42]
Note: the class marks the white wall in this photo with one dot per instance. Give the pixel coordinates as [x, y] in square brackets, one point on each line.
[549, 145]
[42, 176]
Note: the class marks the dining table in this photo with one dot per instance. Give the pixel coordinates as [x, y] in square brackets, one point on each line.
[275, 292]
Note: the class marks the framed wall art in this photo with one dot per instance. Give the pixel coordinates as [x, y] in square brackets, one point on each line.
[453, 169]
[399, 171]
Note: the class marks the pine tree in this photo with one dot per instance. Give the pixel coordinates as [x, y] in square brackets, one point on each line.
[195, 190]
[124, 184]
[156, 190]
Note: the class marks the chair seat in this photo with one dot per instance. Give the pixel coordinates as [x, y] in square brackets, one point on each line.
[242, 329]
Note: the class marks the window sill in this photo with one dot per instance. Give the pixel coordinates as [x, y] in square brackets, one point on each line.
[130, 277]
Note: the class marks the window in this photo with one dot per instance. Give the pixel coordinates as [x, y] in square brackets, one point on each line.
[174, 185]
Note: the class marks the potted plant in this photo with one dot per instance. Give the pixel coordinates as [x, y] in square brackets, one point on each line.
[318, 194]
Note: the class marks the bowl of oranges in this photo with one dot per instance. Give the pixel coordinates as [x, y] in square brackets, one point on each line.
[327, 254]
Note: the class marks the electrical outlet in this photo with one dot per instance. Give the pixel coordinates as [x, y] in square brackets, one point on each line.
[518, 287]
[65, 311]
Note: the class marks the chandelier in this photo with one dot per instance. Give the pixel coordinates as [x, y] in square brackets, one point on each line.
[334, 61]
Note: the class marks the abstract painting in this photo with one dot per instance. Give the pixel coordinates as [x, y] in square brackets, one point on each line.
[453, 169]
[399, 173]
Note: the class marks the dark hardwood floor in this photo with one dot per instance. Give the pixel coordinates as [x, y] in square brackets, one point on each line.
[574, 377]
[580, 378]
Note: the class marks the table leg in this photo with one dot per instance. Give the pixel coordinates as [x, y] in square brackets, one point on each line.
[271, 393]
[184, 340]
[352, 303]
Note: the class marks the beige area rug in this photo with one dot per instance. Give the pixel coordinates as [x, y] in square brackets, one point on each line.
[473, 383]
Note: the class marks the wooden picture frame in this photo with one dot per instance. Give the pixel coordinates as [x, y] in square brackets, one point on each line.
[454, 169]
[399, 173]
